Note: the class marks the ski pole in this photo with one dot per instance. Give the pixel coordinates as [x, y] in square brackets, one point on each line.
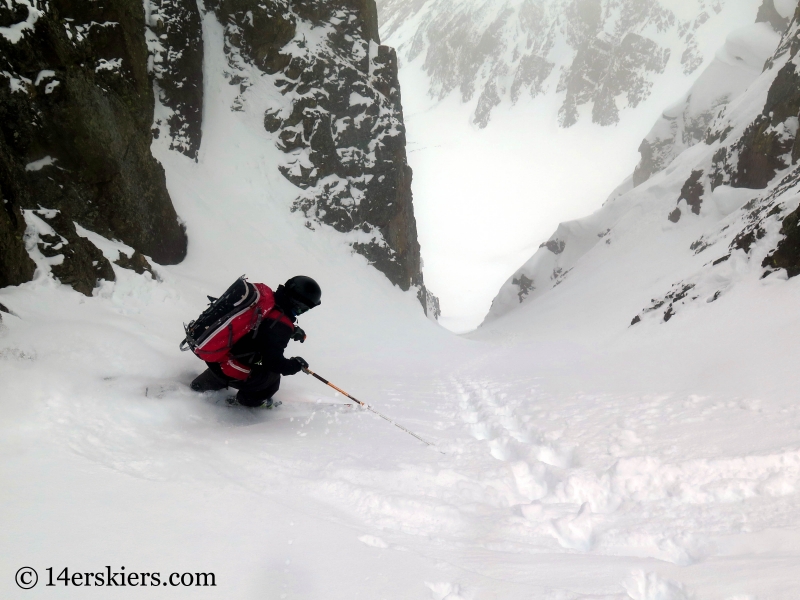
[308, 371]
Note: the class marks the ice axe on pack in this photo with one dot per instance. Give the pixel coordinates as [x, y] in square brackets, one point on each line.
[308, 371]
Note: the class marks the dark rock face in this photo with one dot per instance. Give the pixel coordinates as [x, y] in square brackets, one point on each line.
[430, 303]
[746, 239]
[760, 155]
[136, 262]
[555, 246]
[525, 285]
[767, 13]
[175, 39]
[342, 126]
[787, 254]
[76, 108]
[763, 149]
[258, 30]
[16, 266]
[693, 191]
[83, 264]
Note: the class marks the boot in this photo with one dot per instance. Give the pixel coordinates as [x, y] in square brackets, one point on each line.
[207, 381]
[253, 399]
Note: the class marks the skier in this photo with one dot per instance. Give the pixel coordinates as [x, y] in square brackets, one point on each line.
[255, 363]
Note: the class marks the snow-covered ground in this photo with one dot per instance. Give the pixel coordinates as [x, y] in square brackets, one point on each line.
[583, 459]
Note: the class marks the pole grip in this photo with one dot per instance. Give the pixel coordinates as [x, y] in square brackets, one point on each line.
[329, 384]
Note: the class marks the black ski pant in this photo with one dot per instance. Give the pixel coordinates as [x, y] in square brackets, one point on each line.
[261, 385]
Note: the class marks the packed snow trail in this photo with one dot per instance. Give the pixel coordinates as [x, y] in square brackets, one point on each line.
[585, 460]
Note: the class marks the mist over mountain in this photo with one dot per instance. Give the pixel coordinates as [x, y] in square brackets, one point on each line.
[605, 54]
[715, 192]
[532, 113]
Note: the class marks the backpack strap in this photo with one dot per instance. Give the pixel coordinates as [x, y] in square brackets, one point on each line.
[259, 318]
[276, 321]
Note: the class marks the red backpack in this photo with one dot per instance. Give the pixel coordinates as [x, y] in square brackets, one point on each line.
[228, 319]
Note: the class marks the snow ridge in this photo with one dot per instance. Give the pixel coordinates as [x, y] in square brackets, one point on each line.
[737, 65]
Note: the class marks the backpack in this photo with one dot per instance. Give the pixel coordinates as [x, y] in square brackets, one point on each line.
[226, 320]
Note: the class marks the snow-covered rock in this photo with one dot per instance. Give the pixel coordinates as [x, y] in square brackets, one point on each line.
[734, 68]
[602, 53]
[338, 117]
[77, 111]
[175, 43]
[88, 109]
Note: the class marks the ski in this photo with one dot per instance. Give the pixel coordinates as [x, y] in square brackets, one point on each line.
[231, 402]
[340, 404]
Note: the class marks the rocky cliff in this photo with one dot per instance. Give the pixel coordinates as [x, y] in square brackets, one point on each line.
[77, 110]
[340, 122]
[175, 41]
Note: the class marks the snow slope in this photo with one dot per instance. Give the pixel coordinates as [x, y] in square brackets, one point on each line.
[486, 197]
[584, 460]
[686, 226]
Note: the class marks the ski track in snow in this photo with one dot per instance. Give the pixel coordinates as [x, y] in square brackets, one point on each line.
[581, 479]
[526, 473]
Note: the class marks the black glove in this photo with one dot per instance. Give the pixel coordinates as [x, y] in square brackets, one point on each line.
[295, 365]
[299, 335]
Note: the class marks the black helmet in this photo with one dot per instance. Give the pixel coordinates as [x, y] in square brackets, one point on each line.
[302, 294]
